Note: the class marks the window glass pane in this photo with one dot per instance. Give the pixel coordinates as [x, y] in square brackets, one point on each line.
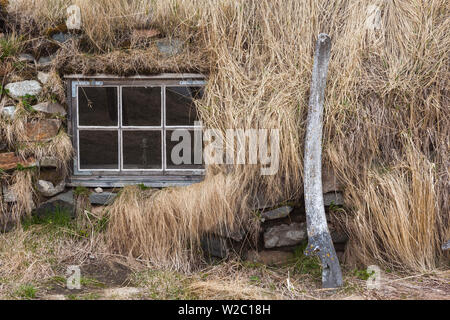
[141, 106]
[180, 108]
[98, 149]
[185, 151]
[97, 106]
[142, 149]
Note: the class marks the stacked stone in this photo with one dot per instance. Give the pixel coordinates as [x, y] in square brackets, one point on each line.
[283, 229]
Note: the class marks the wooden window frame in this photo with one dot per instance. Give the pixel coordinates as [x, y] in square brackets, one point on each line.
[120, 177]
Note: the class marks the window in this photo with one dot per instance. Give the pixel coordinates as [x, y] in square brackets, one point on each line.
[125, 129]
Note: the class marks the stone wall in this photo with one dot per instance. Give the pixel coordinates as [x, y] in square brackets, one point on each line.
[282, 230]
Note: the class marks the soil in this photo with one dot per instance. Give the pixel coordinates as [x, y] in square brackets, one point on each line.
[99, 275]
[111, 280]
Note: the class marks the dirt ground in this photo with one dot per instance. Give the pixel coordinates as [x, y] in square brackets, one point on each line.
[34, 264]
[117, 281]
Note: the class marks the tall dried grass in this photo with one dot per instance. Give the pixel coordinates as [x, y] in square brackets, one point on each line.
[397, 219]
[386, 115]
[165, 226]
[21, 188]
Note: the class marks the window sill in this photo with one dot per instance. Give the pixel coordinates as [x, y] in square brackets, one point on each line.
[122, 181]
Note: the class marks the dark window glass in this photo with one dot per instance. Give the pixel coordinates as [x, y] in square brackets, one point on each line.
[141, 106]
[180, 107]
[141, 149]
[187, 144]
[97, 106]
[98, 149]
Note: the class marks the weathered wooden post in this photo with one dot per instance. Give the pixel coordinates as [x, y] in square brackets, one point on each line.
[319, 239]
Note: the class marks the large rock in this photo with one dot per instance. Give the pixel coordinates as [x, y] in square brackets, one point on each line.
[270, 257]
[43, 129]
[337, 235]
[285, 235]
[333, 198]
[170, 47]
[20, 89]
[237, 235]
[47, 189]
[329, 181]
[43, 77]
[9, 111]
[215, 246]
[51, 108]
[63, 201]
[44, 62]
[7, 226]
[446, 246]
[48, 162]
[261, 203]
[10, 197]
[103, 198]
[278, 213]
[62, 37]
[9, 160]
[26, 57]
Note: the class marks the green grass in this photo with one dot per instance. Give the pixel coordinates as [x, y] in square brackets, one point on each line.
[3, 90]
[101, 224]
[9, 47]
[28, 101]
[92, 283]
[57, 280]
[88, 296]
[20, 167]
[307, 264]
[79, 191]
[255, 280]
[60, 221]
[26, 291]
[60, 217]
[362, 274]
[143, 187]
[335, 208]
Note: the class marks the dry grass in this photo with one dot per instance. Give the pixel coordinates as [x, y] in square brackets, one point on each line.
[37, 256]
[386, 113]
[235, 289]
[40, 249]
[235, 281]
[21, 186]
[396, 226]
[183, 213]
[41, 252]
[54, 89]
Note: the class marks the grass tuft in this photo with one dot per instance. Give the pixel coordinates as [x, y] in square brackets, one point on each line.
[26, 291]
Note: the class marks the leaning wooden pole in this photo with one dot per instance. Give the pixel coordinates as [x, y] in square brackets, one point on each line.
[319, 239]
